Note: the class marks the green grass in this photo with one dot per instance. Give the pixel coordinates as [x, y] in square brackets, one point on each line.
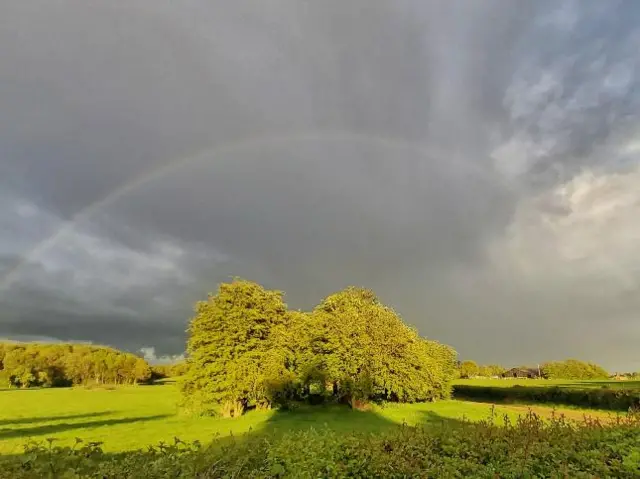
[129, 418]
[562, 383]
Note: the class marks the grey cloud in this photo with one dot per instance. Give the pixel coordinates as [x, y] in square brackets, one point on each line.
[150, 355]
[425, 149]
[574, 92]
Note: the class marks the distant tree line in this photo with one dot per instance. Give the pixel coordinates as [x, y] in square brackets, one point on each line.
[164, 371]
[25, 365]
[628, 375]
[573, 369]
[567, 369]
[604, 397]
[246, 348]
[470, 369]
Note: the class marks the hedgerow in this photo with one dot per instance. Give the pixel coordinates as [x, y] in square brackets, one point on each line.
[530, 447]
[573, 369]
[612, 399]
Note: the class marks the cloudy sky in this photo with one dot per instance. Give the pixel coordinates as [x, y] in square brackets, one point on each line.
[476, 163]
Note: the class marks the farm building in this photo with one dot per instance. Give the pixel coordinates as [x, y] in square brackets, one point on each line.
[531, 373]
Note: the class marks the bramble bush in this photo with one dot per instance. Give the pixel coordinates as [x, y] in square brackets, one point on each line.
[612, 399]
[494, 448]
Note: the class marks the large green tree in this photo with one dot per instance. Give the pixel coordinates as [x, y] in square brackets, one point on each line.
[573, 369]
[469, 369]
[367, 351]
[235, 348]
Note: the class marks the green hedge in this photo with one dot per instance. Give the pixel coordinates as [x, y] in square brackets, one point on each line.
[530, 448]
[613, 399]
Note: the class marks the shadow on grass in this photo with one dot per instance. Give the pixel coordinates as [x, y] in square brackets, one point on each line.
[334, 417]
[6, 390]
[342, 419]
[32, 420]
[162, 382]
[253, 446]
[52, 429]
[430, 418]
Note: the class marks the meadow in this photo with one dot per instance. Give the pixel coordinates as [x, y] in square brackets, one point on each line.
[129, 418]
[133, 417]
[451, 438]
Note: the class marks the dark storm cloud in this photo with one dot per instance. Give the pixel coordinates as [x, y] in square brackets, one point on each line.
[473, 162]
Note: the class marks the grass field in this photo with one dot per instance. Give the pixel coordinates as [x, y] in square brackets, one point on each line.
[134, 417]
[130, 418]
[562, 383]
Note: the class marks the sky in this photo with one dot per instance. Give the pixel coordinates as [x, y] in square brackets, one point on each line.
[476, 164]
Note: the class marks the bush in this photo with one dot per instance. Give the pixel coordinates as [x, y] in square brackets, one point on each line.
[529, 448]
[613, 399]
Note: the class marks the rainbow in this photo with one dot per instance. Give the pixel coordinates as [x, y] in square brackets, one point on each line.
[215, 152]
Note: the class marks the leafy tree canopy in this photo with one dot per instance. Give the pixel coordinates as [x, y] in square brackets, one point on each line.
[573, 369]
[469, 369]
[49, 365]
[235, 346]
[245, 347]
[364, 345]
